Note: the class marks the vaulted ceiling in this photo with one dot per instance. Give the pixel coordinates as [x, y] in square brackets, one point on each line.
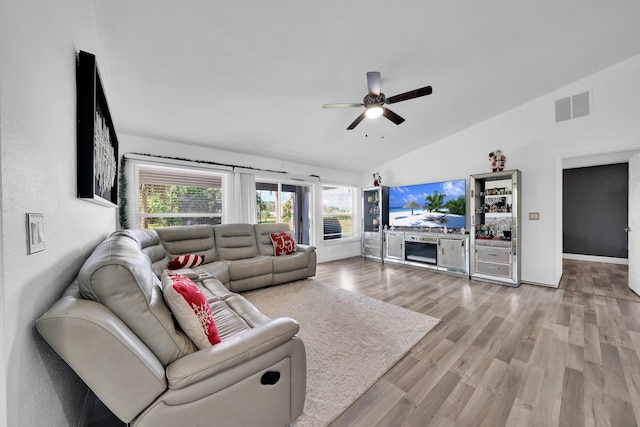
[252, 76]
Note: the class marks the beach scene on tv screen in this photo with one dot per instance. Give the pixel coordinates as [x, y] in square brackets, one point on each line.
[433, 205]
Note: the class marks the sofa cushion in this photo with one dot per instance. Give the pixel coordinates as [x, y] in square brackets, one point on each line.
[118, 275]
[215, 289]
[263, 232]
[186, 261]
[190, 308]
[252, 267]
[283, 243]
[296, 261]
[218, 270]
[188, 239]
[231, 323]
[235, 241]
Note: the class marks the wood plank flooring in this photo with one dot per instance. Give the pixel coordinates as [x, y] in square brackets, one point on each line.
[527, 356]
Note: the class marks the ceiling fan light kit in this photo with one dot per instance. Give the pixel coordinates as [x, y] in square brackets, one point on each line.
[374, 101]
[374, 111]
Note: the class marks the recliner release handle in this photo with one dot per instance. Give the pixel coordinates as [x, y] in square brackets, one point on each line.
[270, 378]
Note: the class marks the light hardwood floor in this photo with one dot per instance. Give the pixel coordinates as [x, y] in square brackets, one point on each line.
[527, 356]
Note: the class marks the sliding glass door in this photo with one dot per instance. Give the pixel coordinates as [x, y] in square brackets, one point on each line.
[287, 203]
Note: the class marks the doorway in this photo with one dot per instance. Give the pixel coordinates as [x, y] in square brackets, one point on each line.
[595, 211]
[587, 161]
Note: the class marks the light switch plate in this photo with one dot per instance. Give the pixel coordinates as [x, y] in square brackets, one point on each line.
[35, 232]
[534, 216]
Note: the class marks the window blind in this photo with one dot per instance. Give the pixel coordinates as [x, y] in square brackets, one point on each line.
[168, 177]
[166, 195]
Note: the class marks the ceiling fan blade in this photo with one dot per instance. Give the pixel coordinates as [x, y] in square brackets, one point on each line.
[410, 95]
[392, 116]
[373, 82]
[344, 105]
[357, 121]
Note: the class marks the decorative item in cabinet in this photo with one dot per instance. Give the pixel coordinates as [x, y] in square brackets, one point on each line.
[375, 215]
[495, 227]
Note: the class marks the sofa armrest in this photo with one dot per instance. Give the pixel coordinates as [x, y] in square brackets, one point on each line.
[102, 350]
[307, 249]
[232, 351]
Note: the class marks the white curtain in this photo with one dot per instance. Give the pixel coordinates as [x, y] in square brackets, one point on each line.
[245, 198]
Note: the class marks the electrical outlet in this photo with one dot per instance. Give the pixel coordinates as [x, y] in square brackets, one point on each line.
[534, 216]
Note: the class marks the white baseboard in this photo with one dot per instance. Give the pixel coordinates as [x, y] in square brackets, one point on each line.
[546, 285]
[591, 258]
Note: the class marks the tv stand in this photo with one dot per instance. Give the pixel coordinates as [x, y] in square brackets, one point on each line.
[442, 252]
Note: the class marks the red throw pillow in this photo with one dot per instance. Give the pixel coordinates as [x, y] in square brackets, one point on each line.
[186, 261]
[191, 308]
[283, 243]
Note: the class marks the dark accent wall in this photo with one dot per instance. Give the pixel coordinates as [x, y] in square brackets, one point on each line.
[595, 206]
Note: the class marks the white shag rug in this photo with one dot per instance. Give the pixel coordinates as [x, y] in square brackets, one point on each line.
[351, 340]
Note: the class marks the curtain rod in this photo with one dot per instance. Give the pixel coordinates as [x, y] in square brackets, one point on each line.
[228, 165]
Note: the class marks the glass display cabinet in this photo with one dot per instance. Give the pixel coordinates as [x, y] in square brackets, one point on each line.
[495, 227]
[375, 215]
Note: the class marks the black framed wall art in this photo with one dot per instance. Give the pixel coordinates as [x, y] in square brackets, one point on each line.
[97, 144]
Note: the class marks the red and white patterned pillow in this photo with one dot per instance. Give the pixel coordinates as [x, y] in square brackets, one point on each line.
[190, 308]
[283, 243]
[186, 261]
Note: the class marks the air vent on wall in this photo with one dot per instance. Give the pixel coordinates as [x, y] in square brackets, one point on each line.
[572, 107]
[563, 109]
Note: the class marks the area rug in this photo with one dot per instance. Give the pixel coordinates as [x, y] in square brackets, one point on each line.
[351, 340]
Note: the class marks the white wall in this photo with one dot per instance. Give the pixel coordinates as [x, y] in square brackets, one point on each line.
[325, 251]
[535, 144]
[38, 41]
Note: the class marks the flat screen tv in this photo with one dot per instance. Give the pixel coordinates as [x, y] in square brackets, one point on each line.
[433, 205]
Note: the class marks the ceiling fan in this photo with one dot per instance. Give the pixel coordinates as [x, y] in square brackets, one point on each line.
[374, 101]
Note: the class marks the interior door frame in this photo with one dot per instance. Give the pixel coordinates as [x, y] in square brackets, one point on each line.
[633, 225]
[597, 159]
[584, 189]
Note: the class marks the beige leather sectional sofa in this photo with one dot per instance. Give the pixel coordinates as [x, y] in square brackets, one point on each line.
[113, 327]
[241, 256]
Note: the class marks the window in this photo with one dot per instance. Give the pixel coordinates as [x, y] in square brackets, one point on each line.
[337, 212]
[173, 195]
[287, 203]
